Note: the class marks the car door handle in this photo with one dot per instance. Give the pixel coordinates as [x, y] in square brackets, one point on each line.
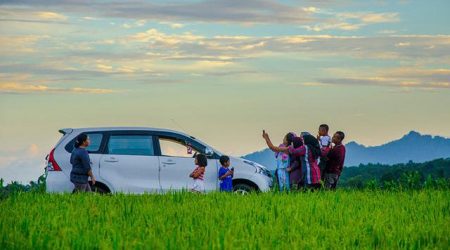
[112, 159]
[168, 163]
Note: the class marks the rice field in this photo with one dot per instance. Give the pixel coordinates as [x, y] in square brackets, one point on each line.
[321, 220]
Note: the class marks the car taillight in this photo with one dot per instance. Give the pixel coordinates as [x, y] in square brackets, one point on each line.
[51, 164]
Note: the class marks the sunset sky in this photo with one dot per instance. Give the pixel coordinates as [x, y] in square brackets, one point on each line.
[220, 70]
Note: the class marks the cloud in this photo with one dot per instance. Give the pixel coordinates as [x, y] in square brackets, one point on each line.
[173, 25]
[34, 150]
[370, 17]
[27, 15]
[238, 47]
[136, 24]
[153, 53]
[333, 26]
[22, 164]
[351, 21]
[90, 18]
[50, 15]
[104, 68]
[240, 12]
[311, 9]
[387, 32]
[13, 44]
[156, 37]
[402, 44]
[18, 88]
[397, 77]
[234, 11]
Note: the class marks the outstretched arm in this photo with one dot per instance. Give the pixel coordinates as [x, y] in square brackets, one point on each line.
[273, 147]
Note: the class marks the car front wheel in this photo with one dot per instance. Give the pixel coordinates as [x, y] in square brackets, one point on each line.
[243, 189]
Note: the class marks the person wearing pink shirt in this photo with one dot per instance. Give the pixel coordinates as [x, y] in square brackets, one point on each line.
[309, 153]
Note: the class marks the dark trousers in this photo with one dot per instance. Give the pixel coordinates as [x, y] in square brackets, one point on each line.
[322, 166]
[331, 180]
[81, 188]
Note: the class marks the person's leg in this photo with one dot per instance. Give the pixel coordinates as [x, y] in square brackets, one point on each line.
[294, 179]
[277, 181]
[335, 182]
[280, 179]
[75, 189]
[304, 183]
[288, 183]
[199, 186]
[322, 165]
[328, 181]
[79, 188]
[331, 181]
[88, 187]
[194, 188]
[294, 175]
[284, 180]
[202, 187]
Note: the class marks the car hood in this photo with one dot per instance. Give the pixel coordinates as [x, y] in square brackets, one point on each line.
[248, 162]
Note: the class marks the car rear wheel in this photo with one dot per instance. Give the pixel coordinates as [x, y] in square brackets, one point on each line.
[99, 188]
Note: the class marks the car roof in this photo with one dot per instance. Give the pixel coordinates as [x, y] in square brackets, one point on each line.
[126, 128]
[70, 130]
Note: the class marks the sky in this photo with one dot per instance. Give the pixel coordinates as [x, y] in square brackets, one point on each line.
[220, 70]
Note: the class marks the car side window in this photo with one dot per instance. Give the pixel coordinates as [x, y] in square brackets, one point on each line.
[94, 146]
[175, 148]
[131, 145]
[96, 142]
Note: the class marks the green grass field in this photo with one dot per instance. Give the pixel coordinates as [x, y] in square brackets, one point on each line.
[332, 220]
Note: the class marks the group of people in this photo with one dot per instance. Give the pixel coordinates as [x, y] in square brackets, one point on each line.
[303, 161]
[82, 171]
[225, 174]
[307, 161]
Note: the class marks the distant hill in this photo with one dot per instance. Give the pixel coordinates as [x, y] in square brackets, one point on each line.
[413, 147]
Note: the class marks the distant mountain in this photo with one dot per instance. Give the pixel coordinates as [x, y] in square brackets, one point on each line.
[411, 147]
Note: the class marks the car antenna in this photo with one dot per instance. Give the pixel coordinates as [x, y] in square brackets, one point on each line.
[178, 125]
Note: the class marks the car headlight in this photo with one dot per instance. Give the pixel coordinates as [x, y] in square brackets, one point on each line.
[266, 172]
[259, 169]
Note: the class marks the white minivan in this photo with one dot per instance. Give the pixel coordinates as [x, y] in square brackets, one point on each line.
[138, 160]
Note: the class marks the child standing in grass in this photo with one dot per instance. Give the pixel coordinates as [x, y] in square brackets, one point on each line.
[283, 162]
[199, 173]
[325, 146]
[225, 174]
[323, 137]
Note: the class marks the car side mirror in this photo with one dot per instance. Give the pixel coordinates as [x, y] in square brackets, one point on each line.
[189, 149]
[209, 152]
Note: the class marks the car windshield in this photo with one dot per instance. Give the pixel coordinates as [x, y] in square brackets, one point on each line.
[207, 146]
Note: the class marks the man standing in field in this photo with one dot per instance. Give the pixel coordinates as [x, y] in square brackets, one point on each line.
[335, 161]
